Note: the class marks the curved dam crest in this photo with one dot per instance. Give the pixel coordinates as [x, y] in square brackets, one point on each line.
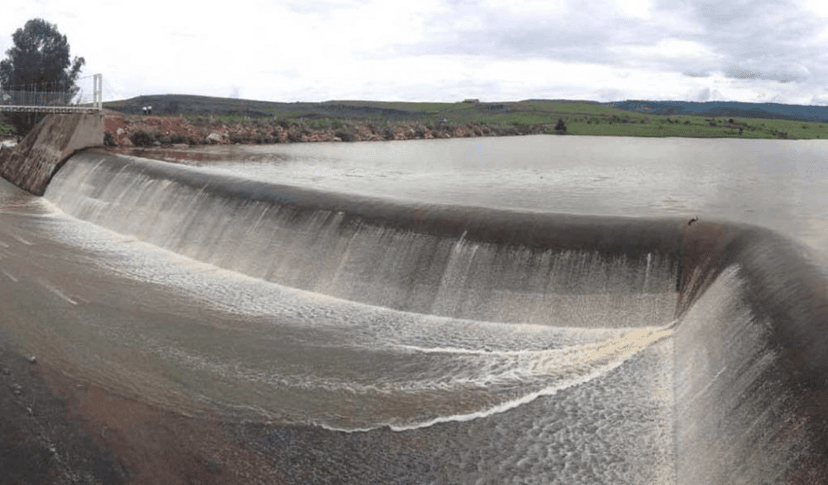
[458, 262]
[749, 343]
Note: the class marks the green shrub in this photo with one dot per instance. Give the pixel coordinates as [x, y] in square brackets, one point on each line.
[320, 124]
[177, 138]
[109, 140]
[345, 135]
[142, 138]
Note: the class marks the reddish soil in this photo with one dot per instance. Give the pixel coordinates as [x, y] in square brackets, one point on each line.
[120, 128]
[165, 130]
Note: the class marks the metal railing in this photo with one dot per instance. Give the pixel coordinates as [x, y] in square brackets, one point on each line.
[52, 99]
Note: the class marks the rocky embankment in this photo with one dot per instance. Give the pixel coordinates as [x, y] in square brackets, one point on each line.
[136, 130]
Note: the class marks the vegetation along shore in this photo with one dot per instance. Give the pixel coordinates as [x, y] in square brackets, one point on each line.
[202, 120]
[198, 120]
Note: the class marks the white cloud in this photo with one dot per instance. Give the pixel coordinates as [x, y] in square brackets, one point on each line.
[640, 9]
[448, 49]
[668, 55]
[815, 7]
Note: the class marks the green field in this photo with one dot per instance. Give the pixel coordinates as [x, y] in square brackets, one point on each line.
[596, 120]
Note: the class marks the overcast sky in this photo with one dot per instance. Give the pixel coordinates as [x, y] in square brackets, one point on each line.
[448, 50]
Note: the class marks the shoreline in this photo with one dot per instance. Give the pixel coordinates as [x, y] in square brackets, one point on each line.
[147, 131]
[124, 131]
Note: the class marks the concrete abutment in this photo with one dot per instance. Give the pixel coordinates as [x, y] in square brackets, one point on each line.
[31, 164]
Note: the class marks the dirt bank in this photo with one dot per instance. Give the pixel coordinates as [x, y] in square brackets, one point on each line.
[136, 130]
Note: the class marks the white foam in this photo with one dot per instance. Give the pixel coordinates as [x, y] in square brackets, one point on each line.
[505, 365]
[641, 340]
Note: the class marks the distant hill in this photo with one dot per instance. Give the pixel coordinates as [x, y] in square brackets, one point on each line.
[727, 109]
[469, 110]
[175, 104]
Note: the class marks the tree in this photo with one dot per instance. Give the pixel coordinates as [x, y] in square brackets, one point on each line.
[39, 60]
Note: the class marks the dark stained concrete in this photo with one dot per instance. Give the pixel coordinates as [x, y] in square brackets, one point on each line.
[31, 164]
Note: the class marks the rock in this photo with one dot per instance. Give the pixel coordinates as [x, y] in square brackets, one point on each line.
[6, 371]
[214, 137]
[33, 360]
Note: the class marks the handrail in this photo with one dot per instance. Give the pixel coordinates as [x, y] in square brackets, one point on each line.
[50, 101]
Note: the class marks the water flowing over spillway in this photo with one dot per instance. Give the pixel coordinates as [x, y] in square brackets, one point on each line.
[460, 262]
[428, 343]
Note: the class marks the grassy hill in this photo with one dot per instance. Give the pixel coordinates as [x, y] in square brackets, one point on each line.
[729, 109]
[530, 112]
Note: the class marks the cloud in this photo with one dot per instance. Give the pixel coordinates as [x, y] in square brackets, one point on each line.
[451, 49]
[708, 94]
[766, 39]
[784, 72]
[548, 30]
[607, 94]
[745, 41]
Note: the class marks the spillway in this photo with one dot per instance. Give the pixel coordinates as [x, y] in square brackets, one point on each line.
[460, 262]
[464, 344]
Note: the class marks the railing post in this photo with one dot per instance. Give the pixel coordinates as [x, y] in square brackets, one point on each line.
[98, 91]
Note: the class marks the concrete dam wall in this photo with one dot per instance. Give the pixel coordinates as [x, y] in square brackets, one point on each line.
[31, 164]
[750, 310]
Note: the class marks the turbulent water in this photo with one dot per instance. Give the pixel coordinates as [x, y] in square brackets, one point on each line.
[509, 322]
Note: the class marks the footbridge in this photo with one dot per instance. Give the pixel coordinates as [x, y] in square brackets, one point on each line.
[54, 98]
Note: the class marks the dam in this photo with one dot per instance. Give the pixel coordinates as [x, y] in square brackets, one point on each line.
[343, 329]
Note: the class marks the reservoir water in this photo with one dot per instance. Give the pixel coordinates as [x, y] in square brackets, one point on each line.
[498, 310]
